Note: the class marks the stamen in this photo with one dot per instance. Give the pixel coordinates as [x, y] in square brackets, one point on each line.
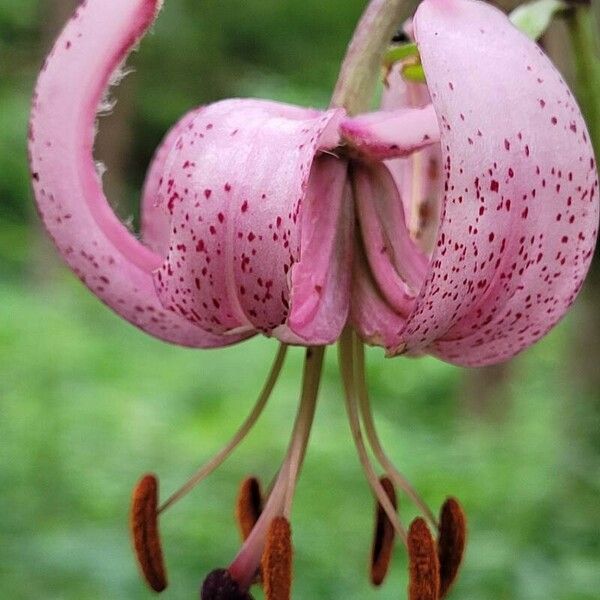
[414, 220]
[424, 569]
[239, 436]
[397, 478]
[313, 367]
[346, 359]
[383, 540]
[451, 543]
[144, 531]
[277, 561]
[219, 585]
[244, 567]
[249, 506]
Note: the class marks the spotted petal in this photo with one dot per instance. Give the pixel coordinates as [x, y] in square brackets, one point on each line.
[520, 212]
[156, 221]
[236, 186]
[383, 135]
[96, 245]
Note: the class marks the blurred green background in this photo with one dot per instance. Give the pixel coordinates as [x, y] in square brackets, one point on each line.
[88, 403]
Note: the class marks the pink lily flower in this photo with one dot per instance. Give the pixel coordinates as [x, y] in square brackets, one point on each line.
[459, 220]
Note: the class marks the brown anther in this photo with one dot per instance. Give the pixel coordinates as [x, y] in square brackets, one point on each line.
[249, 506]
[424, 568]
[220, 585]
[383, 539]
[277, 561]
[451, 543]
[144, 532]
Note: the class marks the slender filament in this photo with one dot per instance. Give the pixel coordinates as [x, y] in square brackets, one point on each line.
[247, 561]
[398, 479]
[300, 443]
[238, 437]
[346, 357]
[414, 225]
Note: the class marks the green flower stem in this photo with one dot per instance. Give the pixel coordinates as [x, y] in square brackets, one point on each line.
[362, 66]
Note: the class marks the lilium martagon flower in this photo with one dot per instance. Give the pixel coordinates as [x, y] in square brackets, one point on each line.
[459, 221]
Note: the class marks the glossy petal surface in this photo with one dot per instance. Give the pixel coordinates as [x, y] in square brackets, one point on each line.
[156, 221]
[320, 295]
[391, 134]
[398, 267]
[521, 206]
[235, 185]
[375, 320]
[97, 246]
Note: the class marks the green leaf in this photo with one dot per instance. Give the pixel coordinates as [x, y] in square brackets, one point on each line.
[535, 17]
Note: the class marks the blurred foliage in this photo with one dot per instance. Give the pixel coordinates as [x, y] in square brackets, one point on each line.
[584, 31]
[87, 403]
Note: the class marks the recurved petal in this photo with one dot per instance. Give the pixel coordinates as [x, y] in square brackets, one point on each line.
[384, 135]
[320, 294]
[398, 266]
[95, 244]
[373, 318]
[520, 213]
[235, 185]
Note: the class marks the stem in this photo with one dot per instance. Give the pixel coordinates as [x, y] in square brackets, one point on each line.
[586, 53]
[398, 479]
[362, 65]
[244, 566]
[247, 425]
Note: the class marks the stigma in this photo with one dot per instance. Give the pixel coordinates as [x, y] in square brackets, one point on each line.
[434, 545]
